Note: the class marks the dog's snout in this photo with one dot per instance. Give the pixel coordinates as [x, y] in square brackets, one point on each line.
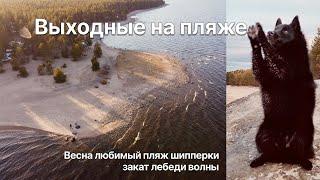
[273, 35]
[270, 33]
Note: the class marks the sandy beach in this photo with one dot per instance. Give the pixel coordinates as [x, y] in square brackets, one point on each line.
[237, 92]
[38, 102]
[82, 106]
[243, 119]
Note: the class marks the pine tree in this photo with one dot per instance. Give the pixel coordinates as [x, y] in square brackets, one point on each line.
[23, 72]
[59, 76]
[97, 50]
[76, 51]
[95, 64]
[65, 52]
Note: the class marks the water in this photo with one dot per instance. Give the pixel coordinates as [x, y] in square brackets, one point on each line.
[267, 12]
[190, 118]
[204, 56]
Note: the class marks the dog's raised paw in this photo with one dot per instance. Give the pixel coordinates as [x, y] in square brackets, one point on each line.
[258, 26]
[252, 32]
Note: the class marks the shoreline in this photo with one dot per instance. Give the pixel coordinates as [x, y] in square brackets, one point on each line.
[101, 109]
[135, 12]
[234, 93]
[168, 72]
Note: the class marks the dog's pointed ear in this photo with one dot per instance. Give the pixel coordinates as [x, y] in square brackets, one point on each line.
[278, 22]
[295, 23]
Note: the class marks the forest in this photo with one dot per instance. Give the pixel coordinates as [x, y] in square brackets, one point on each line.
[315, 56]
[17, 14]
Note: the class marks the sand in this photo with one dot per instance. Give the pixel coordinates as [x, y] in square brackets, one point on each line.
[77, 107]
[237, 92]
[243, 119]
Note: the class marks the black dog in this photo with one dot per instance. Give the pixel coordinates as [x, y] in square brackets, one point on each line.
[288, 94]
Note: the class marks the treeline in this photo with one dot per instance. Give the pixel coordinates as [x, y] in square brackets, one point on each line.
[15, 14]
[315, 56]
[23, 13]
[241, 78]
[246, 77]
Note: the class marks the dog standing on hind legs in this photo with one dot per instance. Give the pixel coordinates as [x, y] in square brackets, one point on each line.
[288, 94]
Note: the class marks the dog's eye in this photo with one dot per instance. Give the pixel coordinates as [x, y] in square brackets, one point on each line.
[285, 32]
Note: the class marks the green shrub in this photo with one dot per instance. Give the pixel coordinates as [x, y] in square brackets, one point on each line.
[41, 69]
[45, 69]
[2, 50]
[76, 51]
[88, 41]
[65, 52]
[15, 64]
[49, 68]
[97, 50]
[43, 49]
[1, 68]
[59, 76]
[23, 72]
[315, 56]
[241, 78]
[95, 64]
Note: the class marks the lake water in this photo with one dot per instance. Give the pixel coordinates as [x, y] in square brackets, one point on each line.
[267, 12]
[198, 124]
[204, 56]
[190, 118]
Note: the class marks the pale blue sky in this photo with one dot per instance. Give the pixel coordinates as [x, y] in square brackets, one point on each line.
[266, 12]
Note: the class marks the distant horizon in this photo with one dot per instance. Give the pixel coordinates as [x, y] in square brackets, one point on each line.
[250, 12]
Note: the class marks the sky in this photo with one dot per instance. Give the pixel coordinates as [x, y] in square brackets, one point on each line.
[266, 12]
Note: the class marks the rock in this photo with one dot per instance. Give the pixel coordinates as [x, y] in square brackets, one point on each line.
[73, 139]
[151, 98]
[243, 119]
[103, 82]
[77, 126]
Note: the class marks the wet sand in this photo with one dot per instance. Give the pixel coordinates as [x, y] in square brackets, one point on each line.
[82, 106]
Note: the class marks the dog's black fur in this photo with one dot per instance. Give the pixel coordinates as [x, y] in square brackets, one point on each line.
[288, 94]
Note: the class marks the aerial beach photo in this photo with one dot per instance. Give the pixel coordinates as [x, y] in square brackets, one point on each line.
[251, 100]
[141, 93]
